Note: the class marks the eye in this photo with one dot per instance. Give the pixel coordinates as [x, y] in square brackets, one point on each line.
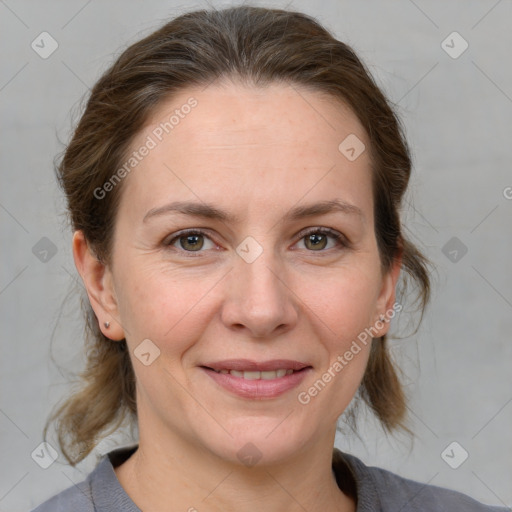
[315, 239]
[191, 240]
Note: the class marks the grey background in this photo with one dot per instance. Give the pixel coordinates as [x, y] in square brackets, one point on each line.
[457, 368]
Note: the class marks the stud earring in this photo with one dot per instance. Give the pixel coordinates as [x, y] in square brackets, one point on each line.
[107, 325]
[382, 318]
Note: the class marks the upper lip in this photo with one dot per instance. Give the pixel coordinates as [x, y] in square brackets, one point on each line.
[249, 365]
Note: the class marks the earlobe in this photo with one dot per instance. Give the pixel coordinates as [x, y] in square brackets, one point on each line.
[97, 279]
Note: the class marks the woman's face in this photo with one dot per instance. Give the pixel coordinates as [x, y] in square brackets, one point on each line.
[262, 288]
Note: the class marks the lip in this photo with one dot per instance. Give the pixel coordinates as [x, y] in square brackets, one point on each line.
[258, 389]
[255, 366]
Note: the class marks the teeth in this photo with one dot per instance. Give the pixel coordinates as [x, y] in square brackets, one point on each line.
[253, 375]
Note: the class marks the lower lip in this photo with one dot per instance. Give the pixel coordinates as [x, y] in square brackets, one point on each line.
[258, 388]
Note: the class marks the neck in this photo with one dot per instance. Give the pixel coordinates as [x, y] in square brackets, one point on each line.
[192, 479]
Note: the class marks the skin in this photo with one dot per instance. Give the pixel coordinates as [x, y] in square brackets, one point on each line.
[255, 152]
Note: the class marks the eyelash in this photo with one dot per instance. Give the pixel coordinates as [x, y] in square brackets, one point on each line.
[338, 237]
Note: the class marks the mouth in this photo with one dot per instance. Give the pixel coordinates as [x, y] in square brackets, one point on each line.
[255, 375]
[257, 380]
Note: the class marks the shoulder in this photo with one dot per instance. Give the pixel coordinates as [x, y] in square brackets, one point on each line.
[77, 498]
[99, 492]
[379, 487]
[396, 490]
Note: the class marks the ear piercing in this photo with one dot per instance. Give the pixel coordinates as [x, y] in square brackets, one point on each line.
[107, 325]
[382, 318]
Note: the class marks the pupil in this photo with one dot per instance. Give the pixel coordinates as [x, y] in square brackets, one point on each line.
[192, 239]
[316, 239]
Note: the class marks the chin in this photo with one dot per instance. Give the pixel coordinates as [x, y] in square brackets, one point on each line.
[258, 441]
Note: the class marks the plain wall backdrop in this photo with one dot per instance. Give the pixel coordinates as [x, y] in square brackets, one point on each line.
[456, 105]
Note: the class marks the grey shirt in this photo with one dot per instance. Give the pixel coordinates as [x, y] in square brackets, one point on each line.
[374, 489]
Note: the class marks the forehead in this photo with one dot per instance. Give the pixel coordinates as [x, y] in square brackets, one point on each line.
[245, 112]
[262, 145]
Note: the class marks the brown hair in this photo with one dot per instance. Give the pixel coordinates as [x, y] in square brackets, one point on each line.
[257, 46]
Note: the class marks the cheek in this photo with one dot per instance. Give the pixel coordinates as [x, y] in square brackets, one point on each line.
[343, 301]
[157, 305]
[344, 309]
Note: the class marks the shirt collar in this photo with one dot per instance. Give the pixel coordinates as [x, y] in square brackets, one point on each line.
[352, 475]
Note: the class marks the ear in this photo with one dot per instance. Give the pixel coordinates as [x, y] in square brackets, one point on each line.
[387, 297]
[98, 282]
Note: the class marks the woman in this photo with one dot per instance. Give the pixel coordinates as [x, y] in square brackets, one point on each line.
[234, 186]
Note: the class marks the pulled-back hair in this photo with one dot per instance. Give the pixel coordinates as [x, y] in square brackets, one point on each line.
[257, 46]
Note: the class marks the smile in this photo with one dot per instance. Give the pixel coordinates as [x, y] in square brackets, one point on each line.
[254, 375]
[257, 380]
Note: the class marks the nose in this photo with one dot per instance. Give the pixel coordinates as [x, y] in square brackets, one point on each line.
[258, 298]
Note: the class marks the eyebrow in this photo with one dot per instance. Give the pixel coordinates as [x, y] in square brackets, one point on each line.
[209, 211]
